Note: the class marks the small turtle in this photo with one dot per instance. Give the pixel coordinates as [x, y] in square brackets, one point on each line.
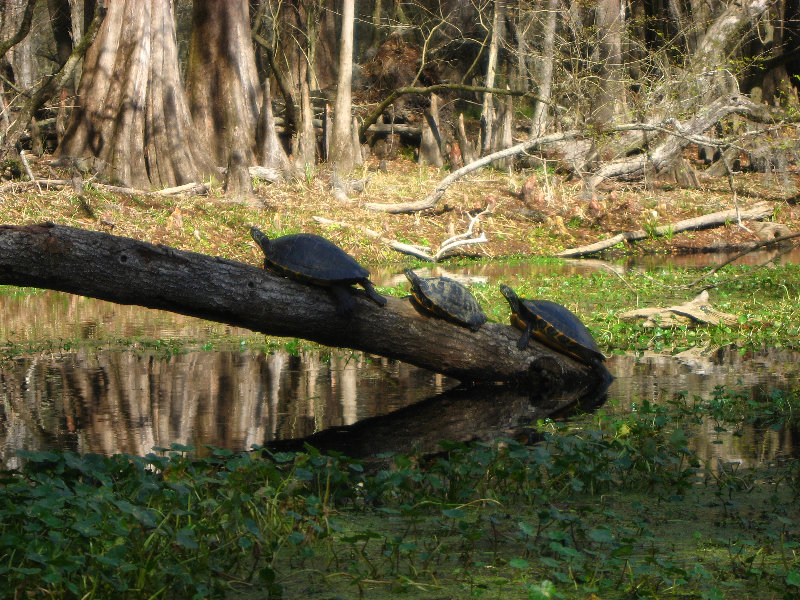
[447, 299]
[553, 325]
[313, 259]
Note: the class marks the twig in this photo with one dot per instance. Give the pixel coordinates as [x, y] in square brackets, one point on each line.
[28, 170]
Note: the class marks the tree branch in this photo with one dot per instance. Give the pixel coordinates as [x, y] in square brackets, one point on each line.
[49, 86]
[24, 29]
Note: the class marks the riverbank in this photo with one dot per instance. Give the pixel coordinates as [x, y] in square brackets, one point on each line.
[546, 217]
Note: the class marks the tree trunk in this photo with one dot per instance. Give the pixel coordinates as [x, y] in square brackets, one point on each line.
[610, 96]
[61, 23]
[487, 114]
[127, 271]
[222, 81]
[545, 71]
[430, 146]
[270, 149]
[132, 114]
[341, 150]
[45, 90]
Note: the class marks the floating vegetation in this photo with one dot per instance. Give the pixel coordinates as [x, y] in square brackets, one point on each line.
[615, 506]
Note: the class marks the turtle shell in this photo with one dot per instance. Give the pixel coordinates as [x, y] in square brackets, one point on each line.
[447, 299]
[313, 259]
[553, 325]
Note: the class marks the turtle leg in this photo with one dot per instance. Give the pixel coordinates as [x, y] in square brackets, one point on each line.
[345, 305]
[526, 337]
[372, 294]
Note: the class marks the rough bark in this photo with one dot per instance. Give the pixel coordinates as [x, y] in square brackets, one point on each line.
[341, 150]
[222, 81]
[271, 152]
[127, 271]
[545, 71]
[132, 113]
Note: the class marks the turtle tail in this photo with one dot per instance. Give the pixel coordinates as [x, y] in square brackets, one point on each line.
[372, 294]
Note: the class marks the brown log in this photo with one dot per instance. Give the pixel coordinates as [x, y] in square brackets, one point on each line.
[759, 211]
[128, 271]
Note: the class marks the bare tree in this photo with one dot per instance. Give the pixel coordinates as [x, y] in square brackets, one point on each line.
[341, 149]
[544, 71]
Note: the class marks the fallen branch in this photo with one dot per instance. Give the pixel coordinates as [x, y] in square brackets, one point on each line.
[420, 252]
[661, 157]
[431, 199]
[759, 211]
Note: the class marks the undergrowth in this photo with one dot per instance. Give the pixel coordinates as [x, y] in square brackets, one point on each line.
[611, 506]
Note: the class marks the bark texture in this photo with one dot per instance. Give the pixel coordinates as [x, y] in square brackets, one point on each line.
[127, 271]
[132, 114]
[222, 80]
[341, 150]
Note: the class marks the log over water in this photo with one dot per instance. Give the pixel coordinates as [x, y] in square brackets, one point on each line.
[127, 271]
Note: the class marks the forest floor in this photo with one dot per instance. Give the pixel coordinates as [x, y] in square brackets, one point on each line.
[548, 218]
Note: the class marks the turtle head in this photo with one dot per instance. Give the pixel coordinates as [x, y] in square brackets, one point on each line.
[260, 237]
[412, 277]
[510, 295]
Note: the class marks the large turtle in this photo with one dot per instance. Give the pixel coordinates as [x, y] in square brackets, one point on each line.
[446, 298]
[553, 325]
[313, 259]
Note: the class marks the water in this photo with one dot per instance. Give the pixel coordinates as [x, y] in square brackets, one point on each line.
[145, 395]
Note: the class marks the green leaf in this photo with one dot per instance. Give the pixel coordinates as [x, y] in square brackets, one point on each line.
[793, 578]
[518, 563]
[601, 535]
[185, 538]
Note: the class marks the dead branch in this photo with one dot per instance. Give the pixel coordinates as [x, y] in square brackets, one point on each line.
[421, 252]
[761, 210]
[434, 197]
[679, 136]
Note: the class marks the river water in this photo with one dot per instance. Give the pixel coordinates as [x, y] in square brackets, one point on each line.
[153, 394]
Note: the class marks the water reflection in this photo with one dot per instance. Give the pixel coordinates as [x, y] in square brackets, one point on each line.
[130, 400]
[133, 400]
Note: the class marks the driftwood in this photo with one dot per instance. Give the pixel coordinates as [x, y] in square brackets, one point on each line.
[128, 271]
[761, 210]
[446, 249]
[697, 311]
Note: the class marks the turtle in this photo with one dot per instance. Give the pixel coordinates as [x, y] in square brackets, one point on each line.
[313, 259]
[553, 325]
[446, 298]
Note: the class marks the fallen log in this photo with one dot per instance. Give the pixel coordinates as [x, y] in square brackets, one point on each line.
[127, 271]
[761, 210]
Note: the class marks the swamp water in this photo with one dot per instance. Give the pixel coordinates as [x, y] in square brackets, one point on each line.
[153, 394]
